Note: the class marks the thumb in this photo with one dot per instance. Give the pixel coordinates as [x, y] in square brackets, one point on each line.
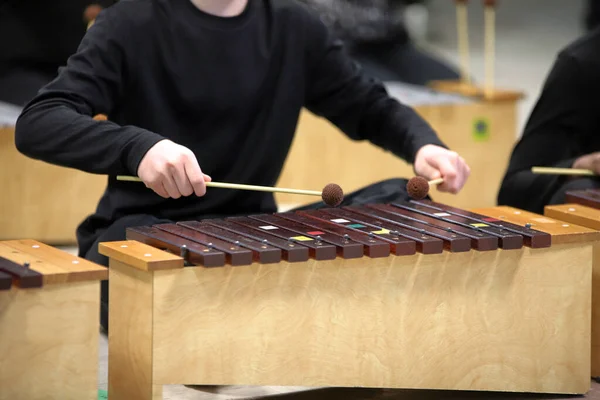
[207, 178]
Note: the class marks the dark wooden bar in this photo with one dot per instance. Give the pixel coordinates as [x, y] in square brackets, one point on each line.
[452, 242]
[373, 247]
[479, 240]
[5, 281]
[23, 276]
[346, 247]
[507, 240]
[318, 250]
[234, 255]
[263, 253]
[531, 237]
[401, 244]
[291, 252]
[192, 252]
[587, 197]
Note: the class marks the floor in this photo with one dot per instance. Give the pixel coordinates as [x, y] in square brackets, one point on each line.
[529, 34]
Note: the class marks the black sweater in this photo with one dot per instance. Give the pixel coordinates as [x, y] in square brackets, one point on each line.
[230, 89]
[564, 125]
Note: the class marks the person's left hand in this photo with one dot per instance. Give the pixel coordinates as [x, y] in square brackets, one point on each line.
[433, 162]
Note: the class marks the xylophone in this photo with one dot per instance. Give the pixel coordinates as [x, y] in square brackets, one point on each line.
[569, 232]
[49, 302]
[405, 295]
[583, 208]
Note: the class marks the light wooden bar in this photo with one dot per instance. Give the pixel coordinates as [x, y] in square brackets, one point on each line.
[49, 334]
[573, 231]
[501, 320]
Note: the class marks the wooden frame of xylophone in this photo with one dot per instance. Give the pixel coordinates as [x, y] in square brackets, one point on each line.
[411, 295]
[49, 331]
[582, 207]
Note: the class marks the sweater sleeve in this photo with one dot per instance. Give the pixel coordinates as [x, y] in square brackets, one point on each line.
[554, 136]
[57, 126]
[358, 105]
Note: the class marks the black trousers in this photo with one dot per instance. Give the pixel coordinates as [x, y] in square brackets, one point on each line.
[381, 192]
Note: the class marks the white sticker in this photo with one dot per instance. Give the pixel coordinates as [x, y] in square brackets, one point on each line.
[441, 214]
[268, 227]
[340, 220]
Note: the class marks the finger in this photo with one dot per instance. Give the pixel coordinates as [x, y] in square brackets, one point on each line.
[170, 186]
[427, 171]
[181, 180]
[195, 176]
[447, 168]
[159, 189]
[207, 178]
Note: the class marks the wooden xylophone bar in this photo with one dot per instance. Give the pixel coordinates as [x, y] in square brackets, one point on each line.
[22, 275]
[376, 230]
[49, 302]
[403, 295]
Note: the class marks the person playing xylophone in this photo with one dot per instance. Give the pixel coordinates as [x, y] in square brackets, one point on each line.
[196, 90]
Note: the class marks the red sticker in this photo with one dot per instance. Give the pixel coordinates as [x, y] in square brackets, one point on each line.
[491, 220]
[315, 233]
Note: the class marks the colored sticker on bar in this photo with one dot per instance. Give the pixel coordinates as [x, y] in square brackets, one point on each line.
[355, 226]
[340, 221]
[315, 233]
[381, 232]
[441, 214]
[479, 225]
[491, 220]
[302, 238]
[268, 227]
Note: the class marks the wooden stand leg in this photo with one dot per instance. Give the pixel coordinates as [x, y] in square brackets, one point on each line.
[596, 312]
[130, 334]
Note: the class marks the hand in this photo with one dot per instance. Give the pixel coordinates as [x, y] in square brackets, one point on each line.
[432, 162]
[589, 161]
[172, 170]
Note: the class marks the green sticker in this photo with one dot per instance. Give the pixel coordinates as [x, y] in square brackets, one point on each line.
[102, 395]
[481, 130]
[355, 226]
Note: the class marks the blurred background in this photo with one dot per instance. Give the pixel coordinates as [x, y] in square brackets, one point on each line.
[46, 203]
[529, 34]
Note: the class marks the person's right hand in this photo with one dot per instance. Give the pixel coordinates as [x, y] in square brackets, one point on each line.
[589, 161]
[172, 170]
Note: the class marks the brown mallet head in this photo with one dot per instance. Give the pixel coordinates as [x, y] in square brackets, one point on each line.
[418, 188]
[91, 12]
[332, 195]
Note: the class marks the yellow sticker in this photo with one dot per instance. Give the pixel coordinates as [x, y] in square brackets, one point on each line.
[381, 232]
[479, 225]
[302, 238]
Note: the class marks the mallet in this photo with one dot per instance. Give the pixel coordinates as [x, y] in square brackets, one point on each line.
[418, 187]
[332, 194]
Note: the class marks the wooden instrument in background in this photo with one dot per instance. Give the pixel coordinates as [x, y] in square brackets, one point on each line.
[409, 295]
[49, 304]
[582, 207]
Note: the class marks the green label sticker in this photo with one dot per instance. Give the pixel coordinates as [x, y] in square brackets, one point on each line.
[355, 226]
[481, 130]
[102, 395]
